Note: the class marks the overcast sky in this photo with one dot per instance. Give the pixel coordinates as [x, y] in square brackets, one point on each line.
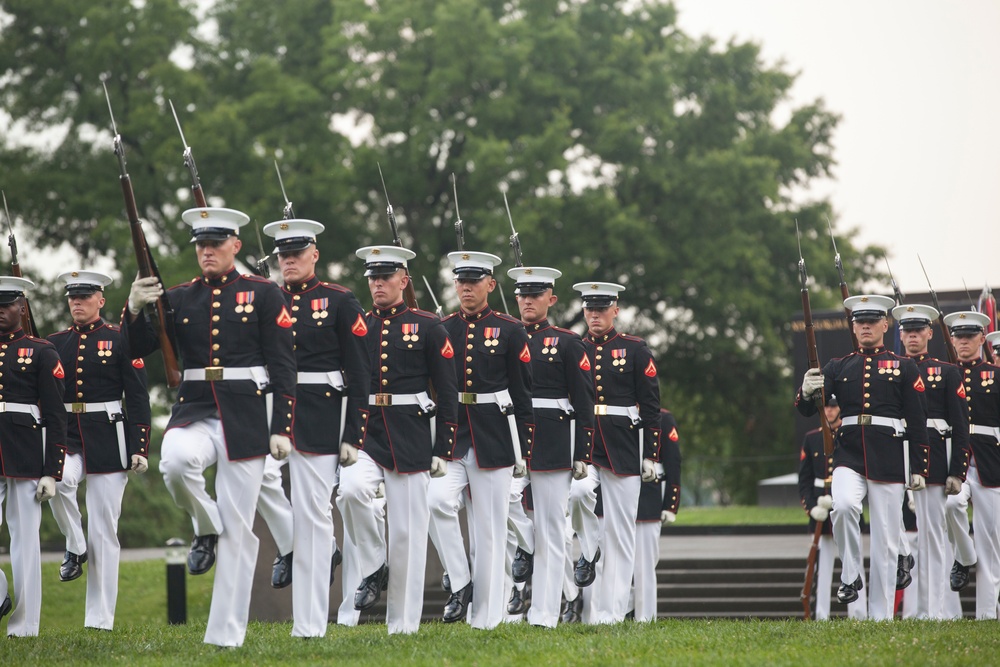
[917, 84]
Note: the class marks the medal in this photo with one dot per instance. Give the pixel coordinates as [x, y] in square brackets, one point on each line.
[243, 301]
[319, 307]
[491, 334]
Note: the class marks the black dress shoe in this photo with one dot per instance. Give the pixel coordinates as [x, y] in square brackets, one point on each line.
[337, 559]
[585, 571]
[281, 571]
[959, 576]
[571, 610]
[848, 593]
[72, 566]
[520, 600]
[446, 582]
[458, 604]
[201, 558]
[5, 607]
[903, 577]
[371, 588]
[523, 566]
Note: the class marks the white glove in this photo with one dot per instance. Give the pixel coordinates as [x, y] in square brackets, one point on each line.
[819, 513]
[380, 490]
[281, 446]
[666, 516]
[580, 470]
[144, 291]
[952, 486]
[439, 467]
[917, 482]
[46, 489]
[826, 502]
[139, 464]
[520, 468]
[348, 454]
[648, 471]
[812, 382]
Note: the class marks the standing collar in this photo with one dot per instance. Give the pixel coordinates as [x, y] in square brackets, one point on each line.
[391, 311]
[603, 338]
[225, 279]
[541, 325]
[87, 328]
[475, 317]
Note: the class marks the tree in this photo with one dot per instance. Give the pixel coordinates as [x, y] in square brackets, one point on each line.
[633, 153]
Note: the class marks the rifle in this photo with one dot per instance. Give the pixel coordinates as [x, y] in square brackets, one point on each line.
[515, 242]
[196, 189]
[988, 306]
[27, 319]
[409, 294]
[813, 355]
[952, 354]
[160, 313]
[437, 306]
[898, 296]
[844, 292]
[459, 227]
[263, 270]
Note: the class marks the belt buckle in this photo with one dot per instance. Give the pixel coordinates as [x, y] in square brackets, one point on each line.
[79, 408]
[213, 373]
[466, 398]
[600, 410]
[864, 420]
[383, 400]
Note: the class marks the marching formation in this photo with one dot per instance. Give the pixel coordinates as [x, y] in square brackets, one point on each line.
[910, 431]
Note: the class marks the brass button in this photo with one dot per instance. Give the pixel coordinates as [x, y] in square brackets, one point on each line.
[215, 318]
[216, 304]
[216, 292]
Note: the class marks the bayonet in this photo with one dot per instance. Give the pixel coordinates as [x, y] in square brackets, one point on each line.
[196, 189]
[946, 334]
[459, 227]
[515, 242]
[119, 147]
[437, 306]
[388, 210]
[897, 293]
[844, 292]
[11, 241]
[287, 212]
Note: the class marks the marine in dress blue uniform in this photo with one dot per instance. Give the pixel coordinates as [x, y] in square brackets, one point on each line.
[328, 325]
[948, 440]
[626, 446]
[107, 406]
[563, 402]
[979, 380]
[495, 419]
[882, 407]
[233, 336]
[32, 450]
[411, 426]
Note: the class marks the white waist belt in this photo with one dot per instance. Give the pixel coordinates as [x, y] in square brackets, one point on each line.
[388, 400]
[978, 429]
[940, 425]
[257, 374]
[630, 411]
[24, 408]
[333, 378]
[872, 420]
[110, 407]
[552, 404]
[503, 401]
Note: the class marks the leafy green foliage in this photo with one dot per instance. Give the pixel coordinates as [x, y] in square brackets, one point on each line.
[633, 153]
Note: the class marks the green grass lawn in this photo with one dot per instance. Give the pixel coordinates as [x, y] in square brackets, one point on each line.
[142, 636]
[741, 515]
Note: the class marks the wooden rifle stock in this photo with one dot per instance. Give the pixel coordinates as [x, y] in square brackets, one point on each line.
[159, 311]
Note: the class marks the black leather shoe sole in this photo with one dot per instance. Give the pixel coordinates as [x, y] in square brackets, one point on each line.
[337, 559]
[959, 576]
[201, 557]
[848, 593]
[586, 571]
[281, 570]
[72, 566]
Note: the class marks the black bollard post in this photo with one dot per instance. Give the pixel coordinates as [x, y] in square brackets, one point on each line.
[176, 557]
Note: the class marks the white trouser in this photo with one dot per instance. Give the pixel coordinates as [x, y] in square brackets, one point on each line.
[490, 493]
[986, 534]
[885, 503]
[647, 557]
[956, 512]
[274, 507]
[350, 571]
[24, 516]
[185, 454]
[824, 580]
[621, 500]
[518, 521]
[591, 594]
[65, 506]
[312, 477]
[550, 497]
[933, 553]
[104, 508]
[913, 606]
[569, 588]
[407, 534]
[582, 501]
